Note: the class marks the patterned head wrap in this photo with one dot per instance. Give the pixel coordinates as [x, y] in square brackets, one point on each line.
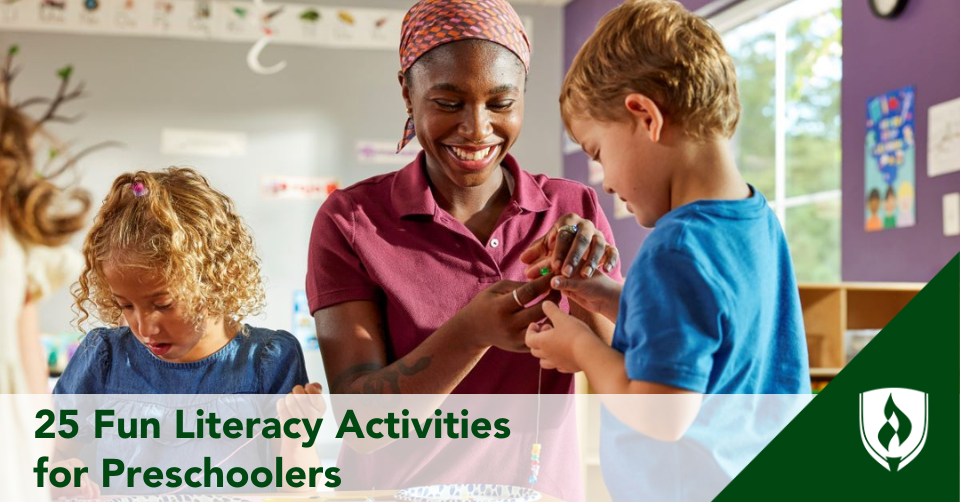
[431, 23]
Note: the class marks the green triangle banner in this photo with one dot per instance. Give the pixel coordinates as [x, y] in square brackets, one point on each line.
[887, 427]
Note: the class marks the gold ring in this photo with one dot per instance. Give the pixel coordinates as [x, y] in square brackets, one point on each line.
[517, 299]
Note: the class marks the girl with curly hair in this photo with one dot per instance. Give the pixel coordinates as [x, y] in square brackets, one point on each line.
[172, 268]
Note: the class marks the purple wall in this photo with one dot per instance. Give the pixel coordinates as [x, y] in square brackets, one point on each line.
[919, 48]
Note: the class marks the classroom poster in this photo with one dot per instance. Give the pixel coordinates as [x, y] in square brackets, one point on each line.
[890, 158]
[297, 187]
[943, 138]
[216, 20]
[346, 27]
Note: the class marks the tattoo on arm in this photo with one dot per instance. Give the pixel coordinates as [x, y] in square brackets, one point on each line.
[345, 378]
[379, 380]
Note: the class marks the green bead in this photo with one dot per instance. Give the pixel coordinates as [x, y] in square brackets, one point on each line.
[545, 271]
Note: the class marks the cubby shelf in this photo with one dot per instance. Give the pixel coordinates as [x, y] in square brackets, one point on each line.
[829, 310]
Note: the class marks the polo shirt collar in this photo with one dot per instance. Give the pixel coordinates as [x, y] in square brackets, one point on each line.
[411, 193]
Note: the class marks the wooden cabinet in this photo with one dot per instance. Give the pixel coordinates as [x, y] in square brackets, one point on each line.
[830, 310]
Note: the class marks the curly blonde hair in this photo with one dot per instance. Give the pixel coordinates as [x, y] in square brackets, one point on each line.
[175, 223]
[29, 202]
[661, 50]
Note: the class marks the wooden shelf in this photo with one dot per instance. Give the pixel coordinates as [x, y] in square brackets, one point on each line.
[829, 310]
[824, 373]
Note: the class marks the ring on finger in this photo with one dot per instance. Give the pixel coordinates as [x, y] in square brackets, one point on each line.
[517, 299]
[569, 228]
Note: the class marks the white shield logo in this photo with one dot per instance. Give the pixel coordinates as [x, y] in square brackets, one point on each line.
[893, 425]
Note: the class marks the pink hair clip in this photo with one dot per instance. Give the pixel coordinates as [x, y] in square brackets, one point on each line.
[139, 189]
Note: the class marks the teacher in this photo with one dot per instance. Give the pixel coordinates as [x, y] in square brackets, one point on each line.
[415, 277]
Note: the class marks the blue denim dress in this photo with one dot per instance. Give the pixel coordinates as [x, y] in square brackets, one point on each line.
[113, 362]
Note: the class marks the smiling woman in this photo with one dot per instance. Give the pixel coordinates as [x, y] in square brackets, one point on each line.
[416, 278]
[411, 275]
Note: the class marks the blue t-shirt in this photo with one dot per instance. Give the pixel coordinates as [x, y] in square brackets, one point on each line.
[113, 361]
[709, 305]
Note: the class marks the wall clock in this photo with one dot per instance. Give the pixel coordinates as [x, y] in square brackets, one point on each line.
[887, 9]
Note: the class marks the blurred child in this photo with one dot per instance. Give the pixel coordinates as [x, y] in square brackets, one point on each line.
[36, 219]
[710, 305]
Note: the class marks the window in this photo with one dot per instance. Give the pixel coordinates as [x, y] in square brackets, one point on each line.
[787, 145]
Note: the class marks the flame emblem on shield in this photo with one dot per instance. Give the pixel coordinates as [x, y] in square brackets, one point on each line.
[893, 425]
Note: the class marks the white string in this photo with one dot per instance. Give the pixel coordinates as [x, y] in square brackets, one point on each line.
[539, 380]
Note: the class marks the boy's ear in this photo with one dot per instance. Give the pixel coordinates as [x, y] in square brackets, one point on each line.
[646, 115]
[404, 90]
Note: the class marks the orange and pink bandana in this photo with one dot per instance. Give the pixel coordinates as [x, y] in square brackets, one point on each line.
[431, 23]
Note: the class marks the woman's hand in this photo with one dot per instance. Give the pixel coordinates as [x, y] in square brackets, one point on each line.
[599, 294]
[572, 247]
[498, 316]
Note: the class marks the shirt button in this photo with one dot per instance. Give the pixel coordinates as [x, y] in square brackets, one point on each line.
[494, 243]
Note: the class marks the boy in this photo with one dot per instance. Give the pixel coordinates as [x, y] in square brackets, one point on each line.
[710, 305]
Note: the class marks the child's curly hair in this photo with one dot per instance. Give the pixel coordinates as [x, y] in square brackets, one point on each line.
[38, 211]
[27, 200]
[175, 223]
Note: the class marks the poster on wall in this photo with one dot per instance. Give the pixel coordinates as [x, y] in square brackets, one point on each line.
[890, 159]
[943, 138]
[297, 187]
[385, 152]
[346, 27]
[303, 326]
[233, 21]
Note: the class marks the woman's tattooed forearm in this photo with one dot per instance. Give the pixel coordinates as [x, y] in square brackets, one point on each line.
[375, 379]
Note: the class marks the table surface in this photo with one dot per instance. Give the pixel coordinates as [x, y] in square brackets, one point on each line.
[361, 496]
[376, 495]
[358, 496]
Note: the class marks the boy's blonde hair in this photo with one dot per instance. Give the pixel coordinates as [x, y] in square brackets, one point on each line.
[661, 50]
[174, 223]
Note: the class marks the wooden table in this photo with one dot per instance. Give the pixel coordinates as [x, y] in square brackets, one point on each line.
[361, 496]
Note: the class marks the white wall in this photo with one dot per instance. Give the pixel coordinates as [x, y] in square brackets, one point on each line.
[303, 121]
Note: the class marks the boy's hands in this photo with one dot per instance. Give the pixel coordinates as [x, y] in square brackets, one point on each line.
[558, 346]
[573, 247]
[599, 294]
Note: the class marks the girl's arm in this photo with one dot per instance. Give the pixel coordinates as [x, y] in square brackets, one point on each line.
[31, 352]
[305, 403]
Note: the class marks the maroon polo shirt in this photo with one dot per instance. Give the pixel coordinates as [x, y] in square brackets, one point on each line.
[386, 240]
